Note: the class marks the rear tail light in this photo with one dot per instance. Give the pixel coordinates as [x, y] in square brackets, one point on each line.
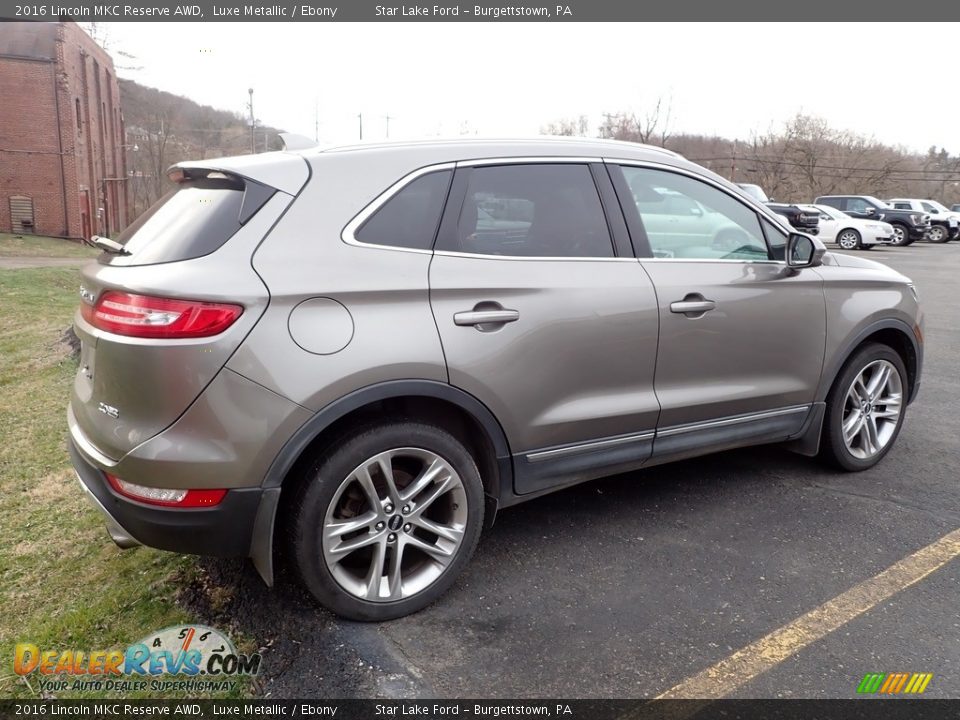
[153, 317]
[166, 497]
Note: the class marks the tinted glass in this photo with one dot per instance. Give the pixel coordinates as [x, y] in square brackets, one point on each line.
[902, 206]
[189, 222]
[410, 218]
[776, 239]
[533, 211]
[858, 205]
[687, 218]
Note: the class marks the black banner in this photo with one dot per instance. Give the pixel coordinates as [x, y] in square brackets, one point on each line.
[503, 11]
[865, 709]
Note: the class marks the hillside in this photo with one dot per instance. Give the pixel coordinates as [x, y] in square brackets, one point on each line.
[163, 128]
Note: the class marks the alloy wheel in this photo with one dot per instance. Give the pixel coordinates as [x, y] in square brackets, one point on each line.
[848, 240]
[872, 409]
[899, 235]
[394, 524]
[936, 234]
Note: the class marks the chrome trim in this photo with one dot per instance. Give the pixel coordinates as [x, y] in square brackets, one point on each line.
[348, 233]
[734, 420]
[714, 260]
[578, 448]
[118, 533]
[525, 160]
[529, 258]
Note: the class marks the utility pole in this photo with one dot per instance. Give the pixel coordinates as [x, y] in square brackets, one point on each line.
[253, 125]
[388, 118]
[360, 118]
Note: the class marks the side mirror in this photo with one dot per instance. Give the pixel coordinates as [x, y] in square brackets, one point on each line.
[697, 212]
[803, 251]
[869, 211]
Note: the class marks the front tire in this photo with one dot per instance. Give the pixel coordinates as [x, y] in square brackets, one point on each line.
[865, 409]
[849, 239]
[901, 235]
[383, 525]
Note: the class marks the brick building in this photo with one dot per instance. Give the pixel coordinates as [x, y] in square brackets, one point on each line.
[62, 163]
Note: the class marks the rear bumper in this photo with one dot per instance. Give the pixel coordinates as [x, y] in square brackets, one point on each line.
[225, 530]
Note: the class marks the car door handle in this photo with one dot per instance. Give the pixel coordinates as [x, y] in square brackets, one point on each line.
[486, 317]
[693, 305]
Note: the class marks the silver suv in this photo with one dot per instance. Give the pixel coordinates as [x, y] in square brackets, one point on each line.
[359, 355]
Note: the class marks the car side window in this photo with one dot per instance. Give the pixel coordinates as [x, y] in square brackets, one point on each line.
[690, 219]
[546, 210]
[928, 207]
[902, 206]
[776, 239]
[410, 218]
[857, 205]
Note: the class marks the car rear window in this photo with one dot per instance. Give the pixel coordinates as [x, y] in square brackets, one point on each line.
[193, 220]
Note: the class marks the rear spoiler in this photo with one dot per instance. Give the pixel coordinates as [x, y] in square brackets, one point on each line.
[255, 194]
[283, 171]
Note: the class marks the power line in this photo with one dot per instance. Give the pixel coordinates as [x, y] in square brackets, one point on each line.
[778, 161]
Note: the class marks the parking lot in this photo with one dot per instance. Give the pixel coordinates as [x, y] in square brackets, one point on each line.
[636, 584]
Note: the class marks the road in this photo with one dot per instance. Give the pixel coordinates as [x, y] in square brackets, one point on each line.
[636, 584]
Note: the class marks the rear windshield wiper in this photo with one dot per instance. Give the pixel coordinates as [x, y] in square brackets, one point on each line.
[108, 245]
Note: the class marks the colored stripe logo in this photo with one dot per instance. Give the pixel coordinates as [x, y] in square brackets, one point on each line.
[894, 683]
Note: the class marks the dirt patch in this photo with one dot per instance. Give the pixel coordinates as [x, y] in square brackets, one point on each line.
[50, 488]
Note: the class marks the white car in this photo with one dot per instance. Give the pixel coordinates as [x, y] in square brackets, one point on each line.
[945, 224]
[850, 233]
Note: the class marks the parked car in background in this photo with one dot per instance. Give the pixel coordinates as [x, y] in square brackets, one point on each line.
[908, 225]
[848, 232]
[805, 222]
[944, 223]
[360, 354]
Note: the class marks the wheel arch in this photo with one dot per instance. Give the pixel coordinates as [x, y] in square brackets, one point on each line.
[453, 409]
[892, 332]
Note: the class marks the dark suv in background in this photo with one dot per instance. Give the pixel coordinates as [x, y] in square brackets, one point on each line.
[803, 221]
[908, 225]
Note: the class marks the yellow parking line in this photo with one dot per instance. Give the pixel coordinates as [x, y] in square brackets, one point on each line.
[744, 665]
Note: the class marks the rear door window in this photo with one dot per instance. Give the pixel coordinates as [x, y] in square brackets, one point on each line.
[549, 210]
[193, 220]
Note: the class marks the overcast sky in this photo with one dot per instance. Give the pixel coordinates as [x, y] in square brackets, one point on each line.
[500, 79]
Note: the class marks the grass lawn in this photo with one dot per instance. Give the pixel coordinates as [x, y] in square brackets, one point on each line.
[40, 246]
[63, 584]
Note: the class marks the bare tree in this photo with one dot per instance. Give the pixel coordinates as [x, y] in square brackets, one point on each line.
[652, 127]
[579, 127]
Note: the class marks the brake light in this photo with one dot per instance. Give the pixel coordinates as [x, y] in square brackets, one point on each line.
[166, 497]
[153, 317]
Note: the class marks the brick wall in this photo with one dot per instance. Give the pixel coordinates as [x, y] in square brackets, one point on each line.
[74, 167]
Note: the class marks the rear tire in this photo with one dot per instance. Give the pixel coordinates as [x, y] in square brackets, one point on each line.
[865, 409]
[938, 234]
[382, 525]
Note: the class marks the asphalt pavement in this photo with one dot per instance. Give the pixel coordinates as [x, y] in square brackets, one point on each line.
[627, 586]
